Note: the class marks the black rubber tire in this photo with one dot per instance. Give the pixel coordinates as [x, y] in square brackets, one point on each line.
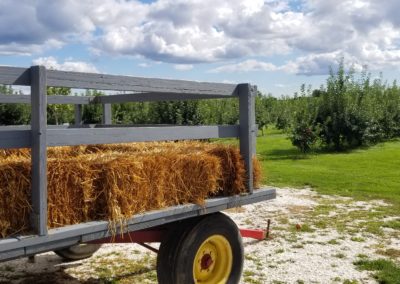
[168, 251]
[214, 224]
[78, 252]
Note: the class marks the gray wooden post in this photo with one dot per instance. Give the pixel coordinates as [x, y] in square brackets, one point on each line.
[39, 149]
[106, 114]
[247, 121]
[78, 114]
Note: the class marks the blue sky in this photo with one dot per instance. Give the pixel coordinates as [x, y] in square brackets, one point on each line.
[277, 45]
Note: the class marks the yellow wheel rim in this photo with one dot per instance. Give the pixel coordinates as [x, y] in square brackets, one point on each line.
[213, 261]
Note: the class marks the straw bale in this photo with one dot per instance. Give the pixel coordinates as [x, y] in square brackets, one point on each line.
[154, 147]
[14, 153]
[114, 182]
[233, 173]
[52, 152]
[14, 197]
[128, 186]
[71, 195]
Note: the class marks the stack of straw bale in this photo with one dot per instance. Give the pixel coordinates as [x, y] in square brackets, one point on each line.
[114, 182]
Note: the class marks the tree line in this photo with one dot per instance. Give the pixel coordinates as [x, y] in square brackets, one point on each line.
[349, 111]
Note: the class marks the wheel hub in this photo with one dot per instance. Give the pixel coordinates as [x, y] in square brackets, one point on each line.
[206, 261]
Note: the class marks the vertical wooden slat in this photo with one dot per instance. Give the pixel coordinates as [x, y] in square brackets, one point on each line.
[247, 128]
[39, 155]
[78, 114]
[106, 114]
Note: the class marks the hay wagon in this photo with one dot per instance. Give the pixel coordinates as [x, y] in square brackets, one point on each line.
[198, 243]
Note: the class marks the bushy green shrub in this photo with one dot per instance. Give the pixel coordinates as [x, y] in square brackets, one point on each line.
[347, 113]
[303, 137]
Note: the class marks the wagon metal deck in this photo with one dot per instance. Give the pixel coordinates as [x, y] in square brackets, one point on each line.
[85, 232]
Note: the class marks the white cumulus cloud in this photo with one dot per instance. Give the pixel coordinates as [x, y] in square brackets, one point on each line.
[183, 67]
[310, 33]
[245, 66]
[68, 65]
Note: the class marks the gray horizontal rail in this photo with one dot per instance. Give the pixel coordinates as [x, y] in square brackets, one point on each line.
[70, 235]
[15, 138]
[15, 76]
[76, 100]
[154, 97]
[62, 135]
[15, 99]
[110, 99]
[136, 84]
[78, 136]
[26, 99]
[28, 127]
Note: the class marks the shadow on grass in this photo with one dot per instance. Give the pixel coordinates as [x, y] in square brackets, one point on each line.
[291, 153]
[283, 154]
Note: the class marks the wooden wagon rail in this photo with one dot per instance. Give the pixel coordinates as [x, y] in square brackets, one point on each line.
[38, 136]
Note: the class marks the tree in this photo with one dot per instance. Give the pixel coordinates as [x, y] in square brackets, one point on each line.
[59, 113]
[92, 113]
[13, 114]
[261, 113]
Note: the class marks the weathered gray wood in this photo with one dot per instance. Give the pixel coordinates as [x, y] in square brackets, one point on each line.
[147, 97]
[15, 138]
[107, 114]
[39, 153]
[138, 97]
[78, 115]
[49, 246]
[247, 122]
[14, 76]
[9, 255]
[78, 136]
[61, 237]
[255, 133]
[157, 89]
[15, 99]
[26, 99]
[28, 127]
[82, 100]
[136, 84]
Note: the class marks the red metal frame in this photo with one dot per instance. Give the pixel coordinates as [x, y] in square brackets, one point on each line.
[254, 234]
[157, 235]
[142, 236]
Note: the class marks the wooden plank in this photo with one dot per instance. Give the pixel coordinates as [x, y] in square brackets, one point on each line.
[73, 100]
[9, 255]
[78, 136]
[15, 138]
[153, 97]
[26, 99]
[14, 76]
[15, 99]
[247, 123]
[49, 246]
[78, 115]
[107, 114]
[136, 84]
[39, 152]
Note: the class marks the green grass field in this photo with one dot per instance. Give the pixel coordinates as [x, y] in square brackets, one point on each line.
[366, 173]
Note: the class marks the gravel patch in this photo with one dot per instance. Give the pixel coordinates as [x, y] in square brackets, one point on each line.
[313, 239]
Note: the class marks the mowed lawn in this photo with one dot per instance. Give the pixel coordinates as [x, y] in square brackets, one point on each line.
[371, 172]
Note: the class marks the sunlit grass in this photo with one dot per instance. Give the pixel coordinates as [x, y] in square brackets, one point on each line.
[367, 173]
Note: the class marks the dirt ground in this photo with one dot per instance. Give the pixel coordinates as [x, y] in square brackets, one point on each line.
[314, 239]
